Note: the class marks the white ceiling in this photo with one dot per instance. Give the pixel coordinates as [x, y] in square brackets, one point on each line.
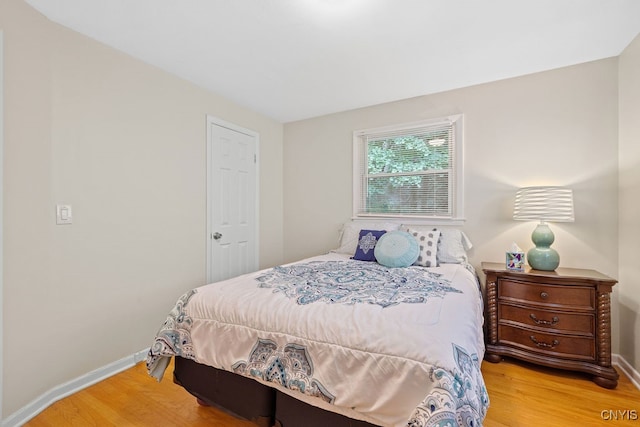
[295, 59]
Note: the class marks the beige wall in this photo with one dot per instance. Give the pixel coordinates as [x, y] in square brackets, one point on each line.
[558, 127]
[545, 128]
[124, 143]
[629, 211]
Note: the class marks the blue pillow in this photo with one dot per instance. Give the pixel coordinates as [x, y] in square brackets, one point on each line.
[367, 241]
[397, 249]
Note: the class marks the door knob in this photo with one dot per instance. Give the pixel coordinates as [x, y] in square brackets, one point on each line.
[217, 236]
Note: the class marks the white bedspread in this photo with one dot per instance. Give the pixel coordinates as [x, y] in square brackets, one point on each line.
[393, 347]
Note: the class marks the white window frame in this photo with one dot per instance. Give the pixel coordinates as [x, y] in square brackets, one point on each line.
[359, 137]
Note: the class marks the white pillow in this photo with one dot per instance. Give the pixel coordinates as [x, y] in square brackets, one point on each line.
[351, 231]
[428, 244]
[452, 245]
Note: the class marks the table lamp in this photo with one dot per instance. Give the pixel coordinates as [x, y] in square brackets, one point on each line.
[544, 204]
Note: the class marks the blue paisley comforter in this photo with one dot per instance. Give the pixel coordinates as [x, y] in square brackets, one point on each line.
[391, 346]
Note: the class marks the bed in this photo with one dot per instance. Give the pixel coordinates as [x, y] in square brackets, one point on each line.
[333, 340]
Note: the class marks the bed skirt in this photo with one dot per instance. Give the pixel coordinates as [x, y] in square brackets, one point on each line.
[291, 412]
[248, 399]
[239, 396]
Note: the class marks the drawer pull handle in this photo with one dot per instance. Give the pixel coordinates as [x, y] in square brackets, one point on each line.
[554, 320]
[541, 344]
[544, 295]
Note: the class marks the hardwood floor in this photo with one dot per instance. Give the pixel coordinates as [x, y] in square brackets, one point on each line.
[521, 395]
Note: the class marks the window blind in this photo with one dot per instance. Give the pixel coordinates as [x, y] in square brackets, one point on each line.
[408, 171]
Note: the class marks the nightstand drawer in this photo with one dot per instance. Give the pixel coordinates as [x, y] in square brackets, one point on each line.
[574, 347]
[563, 296]
[583, 324]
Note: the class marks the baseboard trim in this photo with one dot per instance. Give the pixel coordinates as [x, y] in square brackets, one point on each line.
[38, 405]
[627, 369]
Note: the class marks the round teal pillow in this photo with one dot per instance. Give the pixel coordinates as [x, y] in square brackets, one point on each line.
[396, 249]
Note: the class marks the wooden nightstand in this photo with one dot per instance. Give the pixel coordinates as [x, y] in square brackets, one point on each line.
[558, 318]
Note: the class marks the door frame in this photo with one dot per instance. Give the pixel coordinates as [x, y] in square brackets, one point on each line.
[1, 218]
[212, 120]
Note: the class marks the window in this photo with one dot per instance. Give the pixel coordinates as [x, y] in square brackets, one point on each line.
[411, 170]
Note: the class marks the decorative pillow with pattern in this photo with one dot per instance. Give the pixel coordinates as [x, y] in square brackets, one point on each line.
[428, 242]
[351, 230]
[452, 245]
[367, 241]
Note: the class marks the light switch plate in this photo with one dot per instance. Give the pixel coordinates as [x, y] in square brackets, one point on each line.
[63, 214]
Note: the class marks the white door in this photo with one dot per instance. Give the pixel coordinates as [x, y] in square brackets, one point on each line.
[232, 240]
